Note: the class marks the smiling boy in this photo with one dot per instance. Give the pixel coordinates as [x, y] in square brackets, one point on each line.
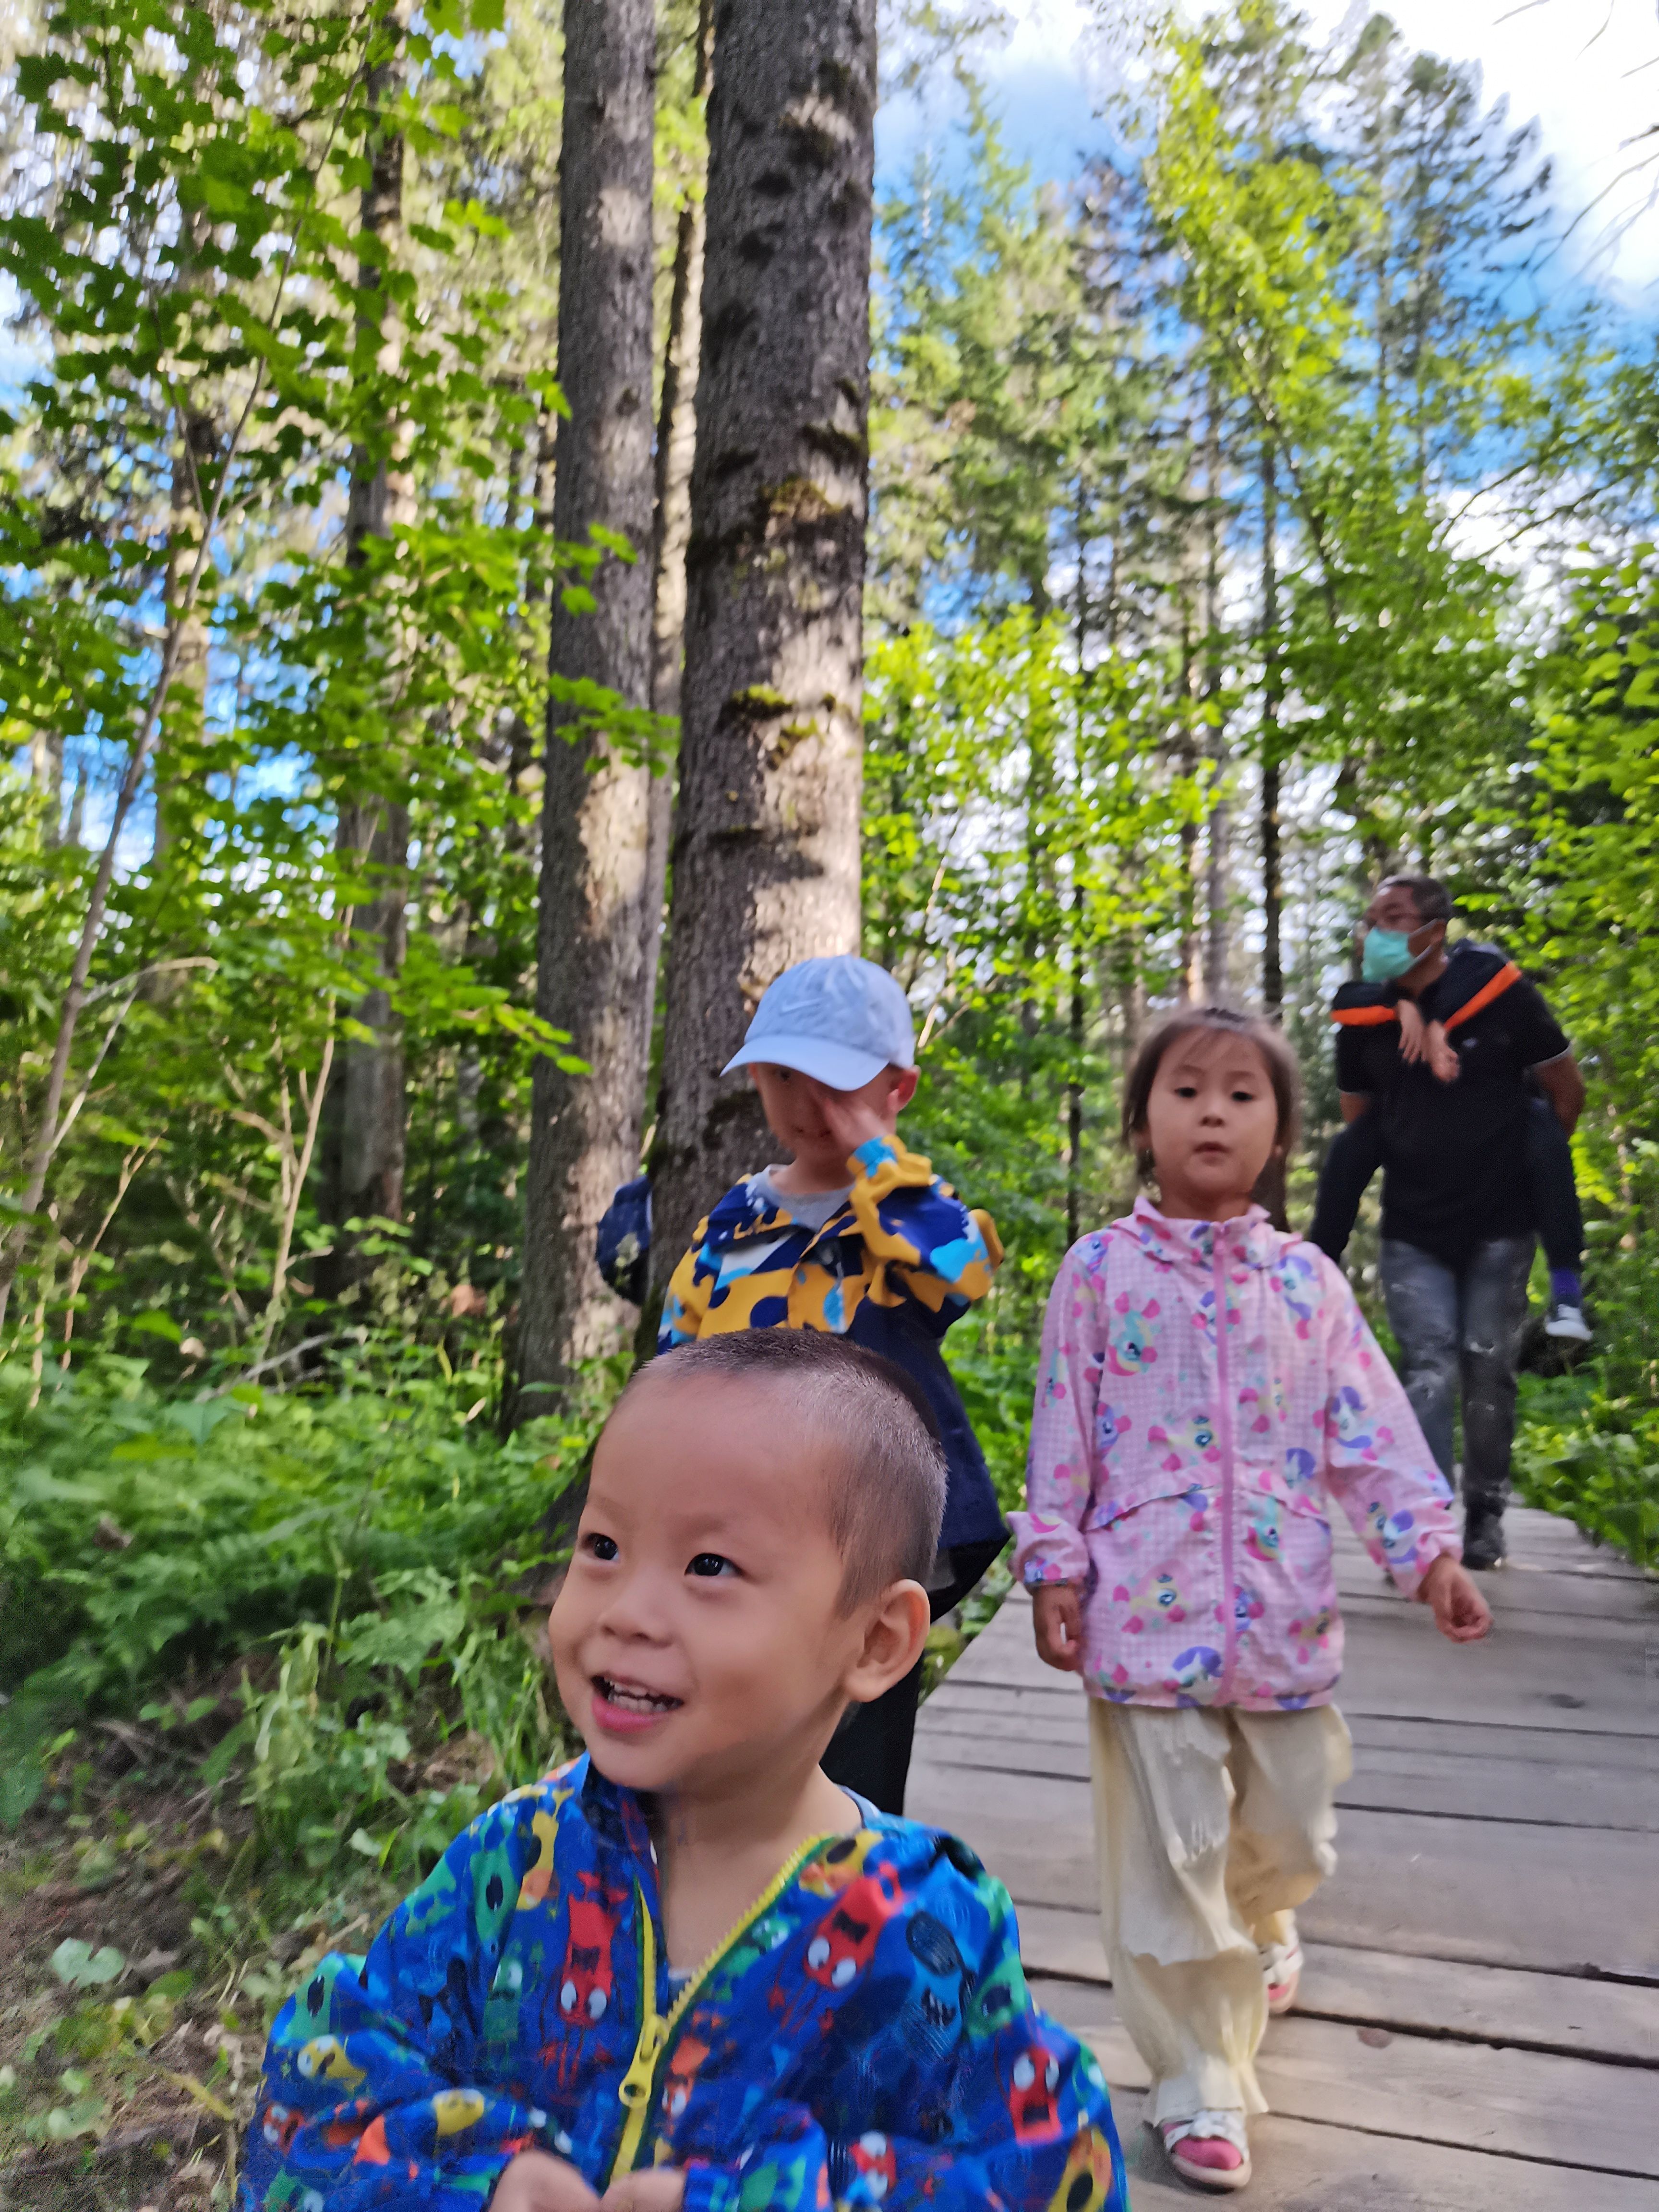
[689, 1969]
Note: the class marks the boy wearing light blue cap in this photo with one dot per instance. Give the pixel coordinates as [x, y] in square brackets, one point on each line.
[856, 1236]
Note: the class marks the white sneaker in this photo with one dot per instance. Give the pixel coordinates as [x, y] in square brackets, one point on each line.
[1567, 1322]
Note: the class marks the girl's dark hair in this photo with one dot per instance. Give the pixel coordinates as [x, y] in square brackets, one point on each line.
[1223, 1021]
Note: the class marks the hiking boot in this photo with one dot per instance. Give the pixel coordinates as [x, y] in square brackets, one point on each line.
[1567, 1323]
[1482, 1539]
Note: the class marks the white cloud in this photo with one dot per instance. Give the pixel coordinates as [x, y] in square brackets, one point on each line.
[1589, 73]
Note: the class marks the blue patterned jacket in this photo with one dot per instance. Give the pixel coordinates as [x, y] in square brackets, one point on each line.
[863, 2037]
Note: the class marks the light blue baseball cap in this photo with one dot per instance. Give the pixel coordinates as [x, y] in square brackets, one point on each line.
[839, 1020]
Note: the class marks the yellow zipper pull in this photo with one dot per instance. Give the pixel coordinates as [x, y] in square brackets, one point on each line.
[634, 2088]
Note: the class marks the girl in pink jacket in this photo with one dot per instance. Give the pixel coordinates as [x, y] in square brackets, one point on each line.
[1208, 1388]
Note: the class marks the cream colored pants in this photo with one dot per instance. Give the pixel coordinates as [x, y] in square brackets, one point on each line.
[1211, 1829]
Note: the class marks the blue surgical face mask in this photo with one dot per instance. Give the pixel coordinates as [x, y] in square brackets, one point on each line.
[1387, 954]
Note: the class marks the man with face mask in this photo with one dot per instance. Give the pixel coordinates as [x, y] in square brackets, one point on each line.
[1442, 1056]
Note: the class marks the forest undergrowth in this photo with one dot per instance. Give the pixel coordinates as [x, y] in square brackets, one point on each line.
[263, 1651]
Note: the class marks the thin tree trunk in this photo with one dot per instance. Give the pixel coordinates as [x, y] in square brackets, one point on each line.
[1075, 1037]
[1218, 828]
[46, 774]
[595, 928]
[1273, 680]
[766, 840]
[676, 447]
[1270, 1191]
[1190, 952]
[365, 1128]
[188, 697]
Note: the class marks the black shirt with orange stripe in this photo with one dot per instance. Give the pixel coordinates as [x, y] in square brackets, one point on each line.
[1454, 1154]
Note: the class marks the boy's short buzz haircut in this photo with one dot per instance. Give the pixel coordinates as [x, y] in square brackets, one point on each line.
[886, 1488]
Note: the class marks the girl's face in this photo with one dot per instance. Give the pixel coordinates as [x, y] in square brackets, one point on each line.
[1211, 1125]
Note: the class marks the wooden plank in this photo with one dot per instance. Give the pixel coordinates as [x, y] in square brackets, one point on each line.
[1521, 1591]
[1303, 2167]
[1396, 1664]
[1465, 2096]
[1609, 2020]
[1420, 1779]
[1635, 1628]
[1490, 1892]
[1059, 1718]
[1538, 1543]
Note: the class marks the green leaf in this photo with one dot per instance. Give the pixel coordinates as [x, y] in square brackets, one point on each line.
[80, 1967]
[158, 1324]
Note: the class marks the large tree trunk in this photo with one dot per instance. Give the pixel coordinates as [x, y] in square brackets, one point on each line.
[766, 839]
[362, 1147]
[595, 933]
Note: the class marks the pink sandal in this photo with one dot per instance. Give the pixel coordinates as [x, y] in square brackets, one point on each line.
[1284, 1973]
[1209, 2151]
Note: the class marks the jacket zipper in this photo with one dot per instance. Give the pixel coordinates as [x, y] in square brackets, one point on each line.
[1224, 1427]
[638, 2090]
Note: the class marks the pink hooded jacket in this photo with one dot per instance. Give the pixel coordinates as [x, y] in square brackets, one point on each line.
[1185, 1482]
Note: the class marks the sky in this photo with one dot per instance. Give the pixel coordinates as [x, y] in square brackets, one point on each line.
[1587, 70]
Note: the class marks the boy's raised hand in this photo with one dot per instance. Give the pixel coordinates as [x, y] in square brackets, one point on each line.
[1460, 1610]
[850, 1117]
[1057, 1613]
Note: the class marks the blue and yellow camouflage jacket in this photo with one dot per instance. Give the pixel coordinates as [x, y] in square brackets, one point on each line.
[892, 1268]
[863, 2037]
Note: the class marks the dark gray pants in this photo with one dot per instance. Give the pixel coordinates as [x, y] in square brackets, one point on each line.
[1460, 1331]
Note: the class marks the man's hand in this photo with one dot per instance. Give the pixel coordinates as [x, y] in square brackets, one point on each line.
[850, 1117]
[1057, 1613]
[1460, 1610]
[1411, 1027]
[535, 2182]
[658, 2188]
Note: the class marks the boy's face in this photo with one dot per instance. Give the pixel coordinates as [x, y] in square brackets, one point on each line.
[697, 1638]
[821, 1128]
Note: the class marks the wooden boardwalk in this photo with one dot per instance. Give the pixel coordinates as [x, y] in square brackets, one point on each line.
[1479, 2026]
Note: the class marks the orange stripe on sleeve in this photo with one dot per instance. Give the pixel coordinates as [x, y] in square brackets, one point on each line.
[1364, 1018]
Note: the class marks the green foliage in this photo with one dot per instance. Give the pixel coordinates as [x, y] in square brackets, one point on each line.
[1589, 1444]
[148, 1542]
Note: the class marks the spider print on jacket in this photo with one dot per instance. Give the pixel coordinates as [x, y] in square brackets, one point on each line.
[1202, 1476]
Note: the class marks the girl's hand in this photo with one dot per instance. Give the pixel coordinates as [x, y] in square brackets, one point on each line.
[1440, 1054]
[1461, 1614]
[658, 2188]
[535, 2182]
[1057, 1613]
[1411, 1031]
